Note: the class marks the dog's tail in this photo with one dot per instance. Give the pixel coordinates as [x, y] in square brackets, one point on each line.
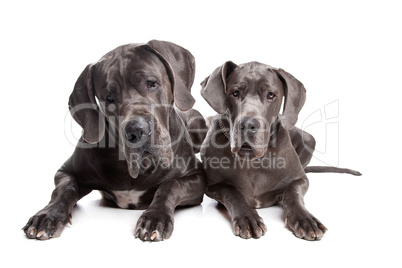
[321, 169]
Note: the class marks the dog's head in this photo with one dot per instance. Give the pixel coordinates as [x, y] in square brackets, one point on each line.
[252, 94]
[134, 87]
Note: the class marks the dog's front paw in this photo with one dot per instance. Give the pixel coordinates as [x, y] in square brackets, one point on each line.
[249, 225]
[306, 227]
[46, 224]
[154, 225]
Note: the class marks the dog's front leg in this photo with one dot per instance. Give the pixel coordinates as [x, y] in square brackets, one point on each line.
[246, 222]
[50, 221]
[156, 223]
[299, 219]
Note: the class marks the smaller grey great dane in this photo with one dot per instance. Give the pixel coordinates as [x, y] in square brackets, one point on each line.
[255, 157]
[136, 148]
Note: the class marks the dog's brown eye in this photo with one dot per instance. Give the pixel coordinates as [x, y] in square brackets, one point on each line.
[150, 84]
[271, 96]
[109, 98]
[236, 93]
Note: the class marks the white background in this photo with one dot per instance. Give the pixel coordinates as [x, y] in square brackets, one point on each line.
[347, 54]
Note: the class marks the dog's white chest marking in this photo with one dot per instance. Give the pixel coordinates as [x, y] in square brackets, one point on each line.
[126, 199]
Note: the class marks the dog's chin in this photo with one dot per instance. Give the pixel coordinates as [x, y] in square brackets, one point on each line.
[247, 152]
[134, 172]
[138, 162]
[141, 162]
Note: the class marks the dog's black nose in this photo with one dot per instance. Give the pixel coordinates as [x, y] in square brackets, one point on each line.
[249, 124]
[137, 130]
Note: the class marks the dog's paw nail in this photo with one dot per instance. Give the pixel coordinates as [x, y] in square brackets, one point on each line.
[137, 233]
[258, 232]
[146, 236]
[301, 232]
[286, 221]
[248, 234]
[32, 232]
[39, 235]
[322, 227]
[153, 236]
[313, 234]
[237, 230]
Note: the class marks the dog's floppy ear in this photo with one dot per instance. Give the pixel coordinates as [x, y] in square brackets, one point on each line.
[83, 107]
[295, 96]
[180, 65]
[213, 88]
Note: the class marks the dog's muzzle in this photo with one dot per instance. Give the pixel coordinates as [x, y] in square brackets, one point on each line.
[249, 138]
[147, 145]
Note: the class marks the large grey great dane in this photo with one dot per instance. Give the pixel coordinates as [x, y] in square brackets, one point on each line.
[254, 156]
[135, 148]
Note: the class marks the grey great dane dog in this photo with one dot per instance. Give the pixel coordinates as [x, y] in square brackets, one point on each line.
[136, 148]
[255, 157]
